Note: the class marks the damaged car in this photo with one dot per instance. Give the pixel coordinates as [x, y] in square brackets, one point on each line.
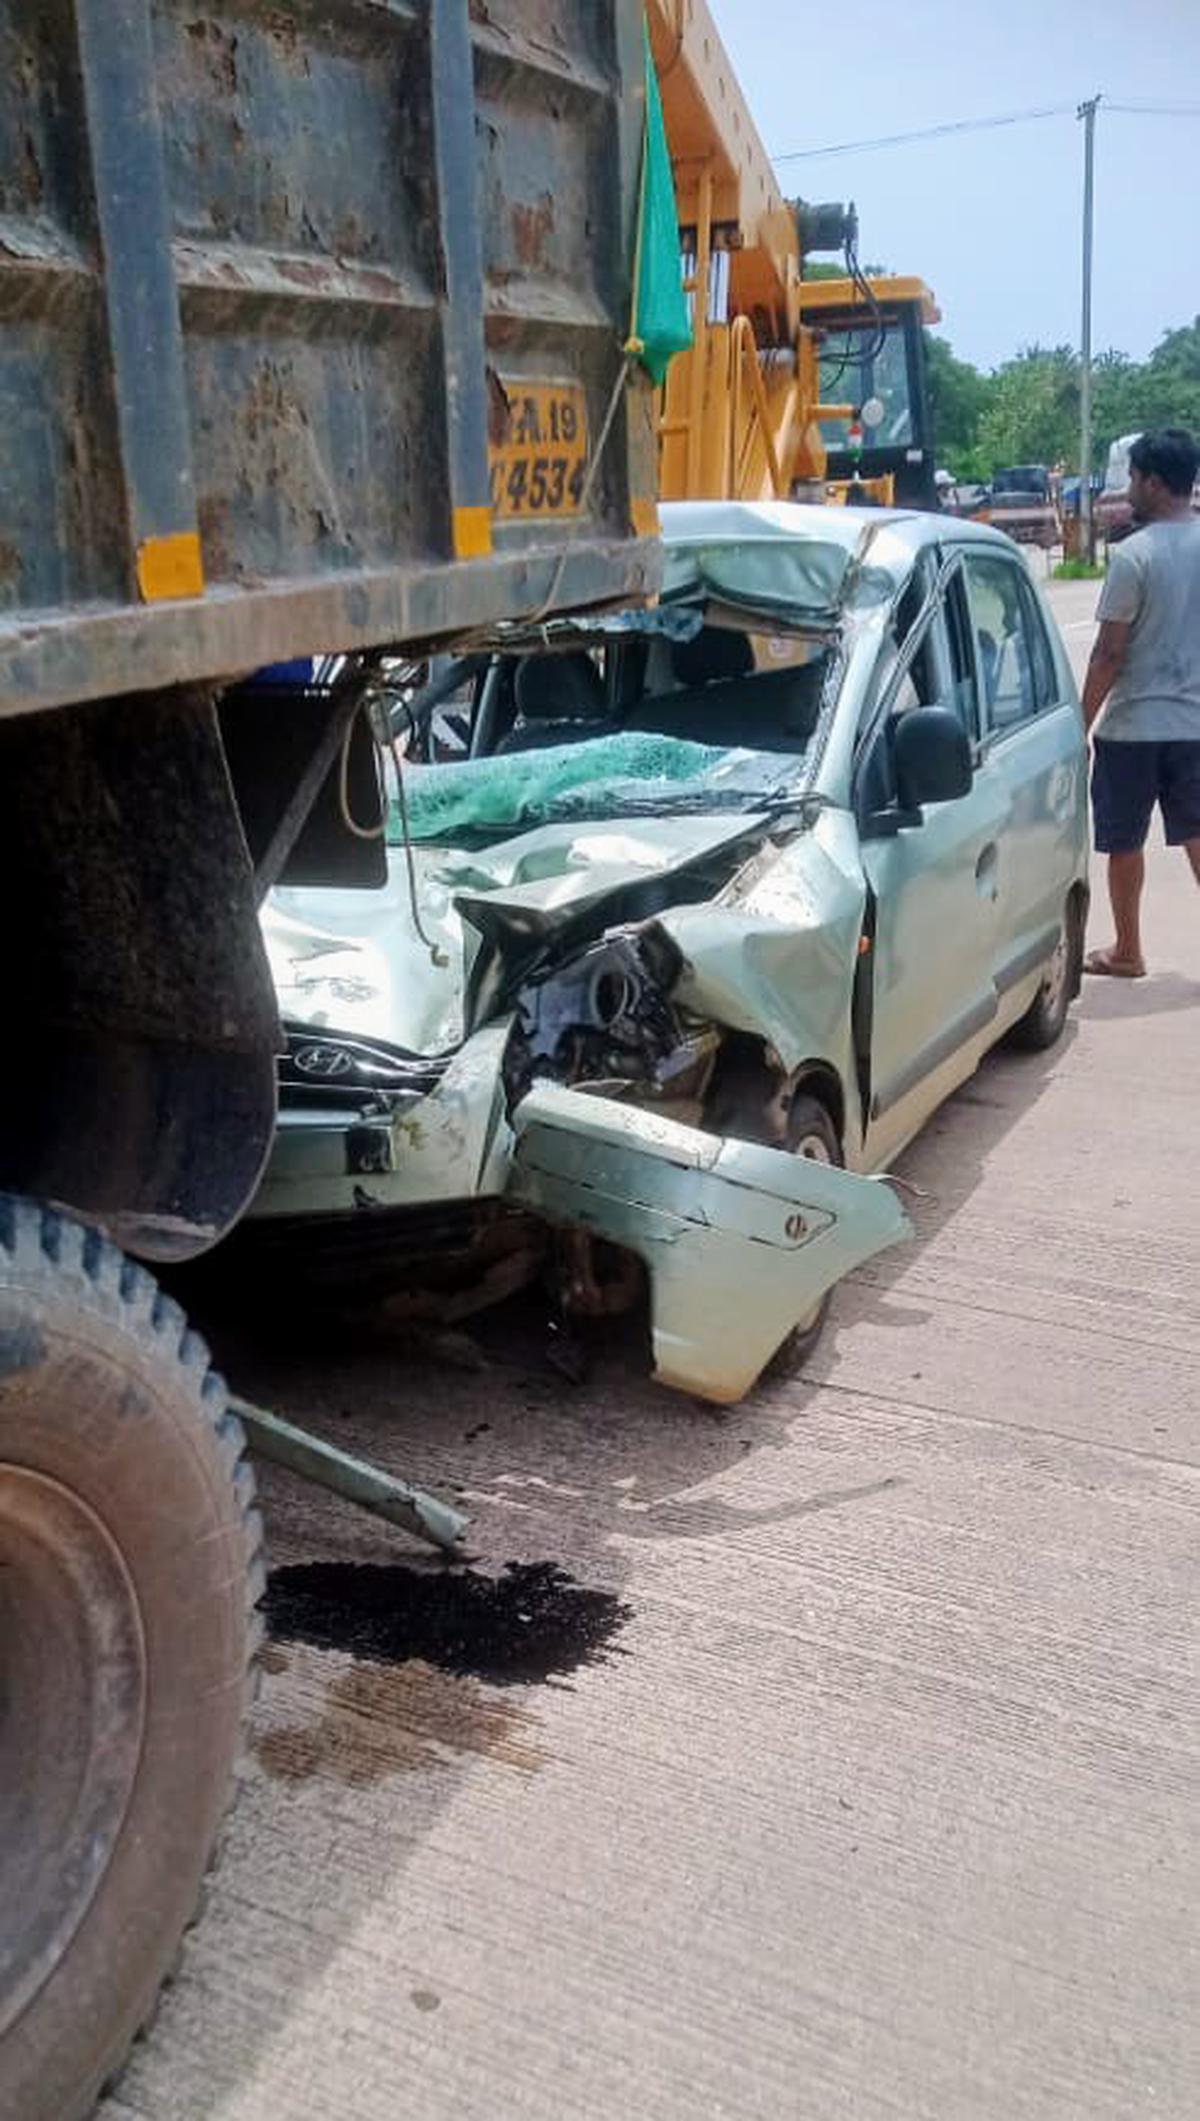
[692, 916]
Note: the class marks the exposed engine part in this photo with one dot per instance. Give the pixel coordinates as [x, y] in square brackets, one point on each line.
[595, 1279]
[607, 1019]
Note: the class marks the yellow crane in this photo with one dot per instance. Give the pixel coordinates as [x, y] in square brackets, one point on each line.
[792, 387]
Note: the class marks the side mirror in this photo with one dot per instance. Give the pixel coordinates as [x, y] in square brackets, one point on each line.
[932, 756]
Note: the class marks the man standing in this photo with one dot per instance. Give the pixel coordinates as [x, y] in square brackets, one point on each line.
[1145, 672]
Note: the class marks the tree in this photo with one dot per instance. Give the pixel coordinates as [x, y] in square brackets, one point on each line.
[1170, 380]
[1179, 352]
[958, 399]
[1116, 401]
[1130, 396]
[1032, 416]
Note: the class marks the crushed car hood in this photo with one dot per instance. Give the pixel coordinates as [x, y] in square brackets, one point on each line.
[354, 960]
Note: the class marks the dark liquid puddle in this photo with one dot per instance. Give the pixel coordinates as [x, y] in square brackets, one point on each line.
[531, 1623]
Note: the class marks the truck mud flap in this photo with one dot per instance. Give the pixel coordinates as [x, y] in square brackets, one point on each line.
[740, 1242]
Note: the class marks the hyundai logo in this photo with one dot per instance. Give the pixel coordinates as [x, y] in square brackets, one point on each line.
[325, 1061]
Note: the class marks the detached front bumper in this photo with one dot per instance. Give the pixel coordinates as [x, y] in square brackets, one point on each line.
[739, 1241]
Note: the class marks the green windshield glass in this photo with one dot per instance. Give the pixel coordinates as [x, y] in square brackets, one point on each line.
[633, 773]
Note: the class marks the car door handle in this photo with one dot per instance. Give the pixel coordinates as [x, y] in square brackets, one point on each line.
[986, 870]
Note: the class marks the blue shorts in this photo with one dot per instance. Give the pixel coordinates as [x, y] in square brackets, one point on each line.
[1129, 779]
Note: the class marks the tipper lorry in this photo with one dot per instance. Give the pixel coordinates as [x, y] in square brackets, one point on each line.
[313, 341]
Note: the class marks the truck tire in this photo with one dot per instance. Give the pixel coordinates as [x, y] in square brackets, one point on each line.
[130, 1572]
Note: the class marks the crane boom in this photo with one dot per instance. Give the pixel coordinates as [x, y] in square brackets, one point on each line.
[719, 158]
[744, 414]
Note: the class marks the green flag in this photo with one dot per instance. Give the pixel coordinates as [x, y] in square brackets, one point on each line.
[662, 326]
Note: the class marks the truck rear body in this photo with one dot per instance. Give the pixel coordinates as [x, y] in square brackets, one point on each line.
[279, 290]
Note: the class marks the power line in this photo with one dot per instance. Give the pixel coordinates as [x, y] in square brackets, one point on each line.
[928, 132]
[980, 125]
[1156, 110]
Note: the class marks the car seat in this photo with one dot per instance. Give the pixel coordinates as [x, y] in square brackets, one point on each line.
[725, 702]
[712, 654]
[559, 700]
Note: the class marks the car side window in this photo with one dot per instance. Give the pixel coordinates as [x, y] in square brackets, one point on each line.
[922, 685]
[1007, 647]
[964, 696]
[919, 685]
[1045, 675]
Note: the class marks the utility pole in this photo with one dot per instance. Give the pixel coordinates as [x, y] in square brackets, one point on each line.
[1087, 111]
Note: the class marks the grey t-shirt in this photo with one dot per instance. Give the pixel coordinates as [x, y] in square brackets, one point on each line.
[1153, 582]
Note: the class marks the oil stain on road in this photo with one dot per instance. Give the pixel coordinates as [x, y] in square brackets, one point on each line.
[423, 1658]
[530, 1624]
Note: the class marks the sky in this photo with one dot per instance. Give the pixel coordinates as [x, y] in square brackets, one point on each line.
[992, 220]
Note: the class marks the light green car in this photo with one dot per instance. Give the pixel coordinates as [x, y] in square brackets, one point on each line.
[697, 915]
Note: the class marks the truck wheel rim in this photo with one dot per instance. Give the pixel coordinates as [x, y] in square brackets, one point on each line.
[72, 1713]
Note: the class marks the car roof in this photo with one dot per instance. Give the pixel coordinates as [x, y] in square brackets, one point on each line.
[909, 529]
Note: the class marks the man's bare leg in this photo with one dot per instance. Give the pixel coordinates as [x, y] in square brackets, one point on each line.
[1126, 882]
[1126, 879]
[1192, 850]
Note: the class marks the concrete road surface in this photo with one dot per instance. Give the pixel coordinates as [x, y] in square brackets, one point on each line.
[863, 1779]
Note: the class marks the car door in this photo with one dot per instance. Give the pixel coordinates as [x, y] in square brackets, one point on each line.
[927, 993]
[1031, 742]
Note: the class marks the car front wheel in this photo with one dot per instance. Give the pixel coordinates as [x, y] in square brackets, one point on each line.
[811, 1133]
[1045, 1019]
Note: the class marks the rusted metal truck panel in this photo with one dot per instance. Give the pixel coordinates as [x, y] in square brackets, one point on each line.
[310, 316]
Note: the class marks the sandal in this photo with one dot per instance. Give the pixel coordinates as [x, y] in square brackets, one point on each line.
[1107, 965]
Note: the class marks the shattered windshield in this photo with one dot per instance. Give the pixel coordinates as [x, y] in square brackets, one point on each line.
[722, 718]
[635, 775]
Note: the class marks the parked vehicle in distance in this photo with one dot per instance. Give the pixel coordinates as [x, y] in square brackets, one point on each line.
[1022, 502]
[1114, 515]
[754, 877]
[963, 497]
[1111, 510]
[1112, 504]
